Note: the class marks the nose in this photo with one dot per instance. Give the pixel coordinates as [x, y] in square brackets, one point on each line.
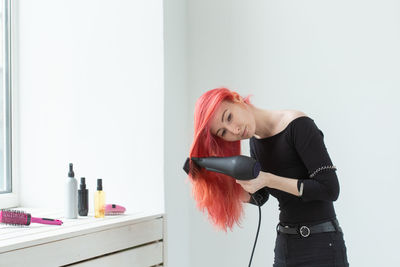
[234, 129]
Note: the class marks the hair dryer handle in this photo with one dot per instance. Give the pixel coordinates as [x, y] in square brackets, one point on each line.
[260, 197]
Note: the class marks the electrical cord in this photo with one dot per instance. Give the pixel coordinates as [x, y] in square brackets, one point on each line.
[258, 228]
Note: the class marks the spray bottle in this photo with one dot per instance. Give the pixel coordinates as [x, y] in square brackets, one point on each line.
[71, 195]
[83, 194]
[99, 200]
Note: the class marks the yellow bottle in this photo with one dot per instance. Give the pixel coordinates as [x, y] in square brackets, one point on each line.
[99, 200]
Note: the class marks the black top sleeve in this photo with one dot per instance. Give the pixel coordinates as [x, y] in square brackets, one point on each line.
[261, 196]
[309, 143]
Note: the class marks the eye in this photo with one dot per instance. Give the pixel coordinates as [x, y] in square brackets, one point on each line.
[223, 132]
[229, 117]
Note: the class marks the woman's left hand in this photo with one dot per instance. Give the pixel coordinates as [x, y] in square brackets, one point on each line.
[255, 184]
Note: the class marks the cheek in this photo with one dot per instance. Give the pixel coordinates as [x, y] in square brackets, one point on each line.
[253, 126]
[230, 138]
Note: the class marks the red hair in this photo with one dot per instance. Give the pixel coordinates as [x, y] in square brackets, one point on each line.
[216, 192]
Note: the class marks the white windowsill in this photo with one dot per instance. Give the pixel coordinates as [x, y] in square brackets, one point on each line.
[17, 237]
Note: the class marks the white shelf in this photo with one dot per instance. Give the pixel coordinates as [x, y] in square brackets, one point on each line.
[78, 239]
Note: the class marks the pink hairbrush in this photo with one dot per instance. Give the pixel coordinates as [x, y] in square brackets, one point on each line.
[113, 209]
[16, 217]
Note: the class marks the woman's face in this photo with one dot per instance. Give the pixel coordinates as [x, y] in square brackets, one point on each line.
[233, 121]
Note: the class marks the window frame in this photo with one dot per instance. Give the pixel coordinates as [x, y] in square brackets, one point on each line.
[9, 199]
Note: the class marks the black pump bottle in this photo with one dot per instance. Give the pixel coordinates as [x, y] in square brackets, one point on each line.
[83, 198]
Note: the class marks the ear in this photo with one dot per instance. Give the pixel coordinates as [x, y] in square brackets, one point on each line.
[237, 98]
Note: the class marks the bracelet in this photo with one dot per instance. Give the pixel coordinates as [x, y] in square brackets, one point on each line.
[301, 189]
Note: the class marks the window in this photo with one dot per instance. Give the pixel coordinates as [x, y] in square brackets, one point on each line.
[5, 98]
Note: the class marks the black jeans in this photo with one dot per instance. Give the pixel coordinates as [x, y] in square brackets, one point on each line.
[317, 250]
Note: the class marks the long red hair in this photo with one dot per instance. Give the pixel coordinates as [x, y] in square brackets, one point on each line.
[218, 193]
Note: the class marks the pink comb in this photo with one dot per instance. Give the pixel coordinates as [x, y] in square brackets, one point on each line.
[113, 209]
[16, 217]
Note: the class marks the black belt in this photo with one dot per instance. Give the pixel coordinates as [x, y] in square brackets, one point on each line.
[305, 231]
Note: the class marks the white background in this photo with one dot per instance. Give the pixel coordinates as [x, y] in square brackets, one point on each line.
[91, 92]
[91, 76]
[337, 61]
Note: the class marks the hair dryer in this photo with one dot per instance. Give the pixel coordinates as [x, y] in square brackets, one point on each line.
[239, 167]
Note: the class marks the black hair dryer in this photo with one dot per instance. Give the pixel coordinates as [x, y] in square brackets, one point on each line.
[239, 167]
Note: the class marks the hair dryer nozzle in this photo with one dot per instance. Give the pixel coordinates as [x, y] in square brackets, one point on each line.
[186, 166]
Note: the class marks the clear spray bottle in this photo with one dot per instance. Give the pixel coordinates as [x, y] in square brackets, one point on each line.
[99, 200]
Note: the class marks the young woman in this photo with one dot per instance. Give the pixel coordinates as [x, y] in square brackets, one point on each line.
[295, 168]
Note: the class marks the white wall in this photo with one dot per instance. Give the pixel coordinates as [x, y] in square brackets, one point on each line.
[176, 140]
[337, 61]
[91, 93]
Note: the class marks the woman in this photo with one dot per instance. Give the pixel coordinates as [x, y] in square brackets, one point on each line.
[295, 168]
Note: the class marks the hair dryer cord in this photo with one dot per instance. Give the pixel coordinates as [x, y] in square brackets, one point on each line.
[258, 228]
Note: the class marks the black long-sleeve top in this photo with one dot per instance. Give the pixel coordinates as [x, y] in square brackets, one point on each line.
[299, 152]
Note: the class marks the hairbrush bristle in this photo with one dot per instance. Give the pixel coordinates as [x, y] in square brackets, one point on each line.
[14, 217]
[114, 213]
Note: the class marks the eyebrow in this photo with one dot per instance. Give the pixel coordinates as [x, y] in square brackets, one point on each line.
[222, 120]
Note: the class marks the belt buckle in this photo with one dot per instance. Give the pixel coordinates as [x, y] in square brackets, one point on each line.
[304, 231]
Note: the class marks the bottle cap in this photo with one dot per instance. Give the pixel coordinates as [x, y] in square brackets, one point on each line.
[83, 184]
[99, 185]
[71, 171]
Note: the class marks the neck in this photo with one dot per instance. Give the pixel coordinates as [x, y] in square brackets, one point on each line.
[265, 122]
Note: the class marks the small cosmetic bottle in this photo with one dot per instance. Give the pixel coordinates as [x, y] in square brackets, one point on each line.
[71, 195]
[99, 200]
[83, 196]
